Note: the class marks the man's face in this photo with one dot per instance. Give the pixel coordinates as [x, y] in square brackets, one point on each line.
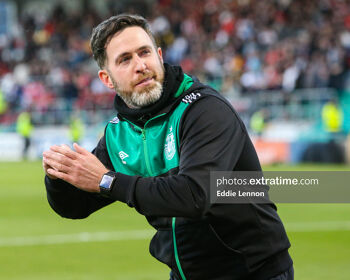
[134, 68]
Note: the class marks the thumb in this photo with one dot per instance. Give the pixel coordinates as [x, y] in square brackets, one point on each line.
[80, 149]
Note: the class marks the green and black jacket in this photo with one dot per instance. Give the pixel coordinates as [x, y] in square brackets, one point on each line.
[162, 157]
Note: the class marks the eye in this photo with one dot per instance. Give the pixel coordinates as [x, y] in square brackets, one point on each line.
[124, 60]
[145, 52]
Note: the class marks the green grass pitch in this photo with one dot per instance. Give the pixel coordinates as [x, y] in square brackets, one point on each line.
[36, 244]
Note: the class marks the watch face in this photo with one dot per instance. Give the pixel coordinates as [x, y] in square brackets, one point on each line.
[106, 182]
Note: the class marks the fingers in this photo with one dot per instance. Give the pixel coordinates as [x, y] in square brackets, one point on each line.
[57, 174]
[64, 150]
[79, 168]
[59, 158]
[59, 165]
[46, 167]
[80, 149]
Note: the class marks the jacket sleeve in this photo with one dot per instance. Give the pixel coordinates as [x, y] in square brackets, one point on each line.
[70, 202]
[212, 138]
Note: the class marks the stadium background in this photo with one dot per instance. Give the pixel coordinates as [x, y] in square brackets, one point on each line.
[284, 59]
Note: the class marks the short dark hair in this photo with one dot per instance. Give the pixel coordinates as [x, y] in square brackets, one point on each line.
[102, 33]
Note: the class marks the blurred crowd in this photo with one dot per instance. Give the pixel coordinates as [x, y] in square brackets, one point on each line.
[236, 46]
[259, 44]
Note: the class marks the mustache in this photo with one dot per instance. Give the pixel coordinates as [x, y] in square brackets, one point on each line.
[145, 77]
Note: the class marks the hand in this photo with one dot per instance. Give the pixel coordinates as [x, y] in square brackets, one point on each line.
[46, 167]
[79, 168]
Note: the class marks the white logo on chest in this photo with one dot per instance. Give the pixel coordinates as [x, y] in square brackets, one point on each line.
[122, 156]
[169, 147]
[189, 98]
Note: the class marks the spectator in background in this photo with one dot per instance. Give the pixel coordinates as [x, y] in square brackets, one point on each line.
[331, 151]
[332, 118]
[24, 128]
[69, 90]
[257, 122]
[3, 105]
[76, 129]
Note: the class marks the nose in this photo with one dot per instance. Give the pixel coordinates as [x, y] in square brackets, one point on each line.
[140, 65]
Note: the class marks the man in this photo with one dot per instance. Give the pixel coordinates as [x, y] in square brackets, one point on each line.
[76, 128]
[24, 128]
[156, 156]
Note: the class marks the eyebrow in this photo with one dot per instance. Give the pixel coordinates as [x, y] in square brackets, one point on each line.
[128, 53]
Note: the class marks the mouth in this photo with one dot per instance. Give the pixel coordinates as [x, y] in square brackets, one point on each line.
[145, 81]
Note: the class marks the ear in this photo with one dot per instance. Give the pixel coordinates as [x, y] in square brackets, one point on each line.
[106, 80]
[160, 53]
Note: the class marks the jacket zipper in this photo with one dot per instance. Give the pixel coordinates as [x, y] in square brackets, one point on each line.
[176, 252]
[145, 150]
[148, 167]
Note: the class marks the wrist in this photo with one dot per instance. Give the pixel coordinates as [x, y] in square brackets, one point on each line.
[107, 183]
